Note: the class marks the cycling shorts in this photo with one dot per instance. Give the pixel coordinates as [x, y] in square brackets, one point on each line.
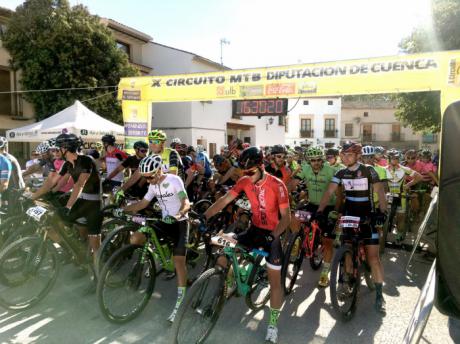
[258, 238]
[89, 210]
[368, 233]
[178, 233]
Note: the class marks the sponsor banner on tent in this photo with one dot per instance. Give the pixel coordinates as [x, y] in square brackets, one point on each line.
[405, 73]
[137, 121]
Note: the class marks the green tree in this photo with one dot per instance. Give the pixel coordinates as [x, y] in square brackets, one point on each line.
[421, 111]
[58, 46]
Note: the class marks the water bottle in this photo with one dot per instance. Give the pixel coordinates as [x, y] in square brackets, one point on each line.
[310, 235]
[243, 274]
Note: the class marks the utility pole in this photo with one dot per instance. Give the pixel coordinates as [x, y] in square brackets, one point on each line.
[222, 42]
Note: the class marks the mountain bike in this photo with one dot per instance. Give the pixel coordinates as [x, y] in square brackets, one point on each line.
[348, 265]
[245, 275]
[306, 243]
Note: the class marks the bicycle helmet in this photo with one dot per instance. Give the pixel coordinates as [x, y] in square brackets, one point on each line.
[199, 149]
[110, 139]
[218, 159]
[368, 151]
[411, 153]
[150, 164]
[68, 141]
[314, 152]
[43, 147]
[379, 150]
[278, 149]
[394, 154]
[250, 158]
[332, 151]
[99, 145]
[140, 144]
[351, 147]
[425, 153]
[176, 140]
[3, 142]
[52, 143]
[157, 135]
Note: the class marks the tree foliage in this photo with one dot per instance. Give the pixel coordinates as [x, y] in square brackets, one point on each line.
[421, 111]
[58, 46]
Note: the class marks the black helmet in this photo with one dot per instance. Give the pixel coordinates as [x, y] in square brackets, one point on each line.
[140, 144]
[426, 153]
[332, 151]
[250, 158]
[278, 149]
[218, 159]
[69, 141]
[110, 139]
[352, 147]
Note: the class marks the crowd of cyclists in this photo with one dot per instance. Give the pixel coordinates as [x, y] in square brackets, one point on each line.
[329, 183]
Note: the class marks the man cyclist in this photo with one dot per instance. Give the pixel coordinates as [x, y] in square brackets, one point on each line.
[5, 174]
[16, 181]
[113, 159]
[277, 165]
[359, 181]
[396, 175]
[332, 158]
[368, 158]
[45, 163]
[172, 198]
[270, 218]
[379, 156]
[317, 176]
[132, 163]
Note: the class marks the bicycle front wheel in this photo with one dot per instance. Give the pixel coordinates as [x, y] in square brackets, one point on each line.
[316, 259]
[345, 283]
[293, 258]
[200, 309]
[126, 284]
[28, 270]
[259, 292]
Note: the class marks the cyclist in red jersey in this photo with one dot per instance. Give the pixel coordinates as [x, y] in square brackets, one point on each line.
[269, 199]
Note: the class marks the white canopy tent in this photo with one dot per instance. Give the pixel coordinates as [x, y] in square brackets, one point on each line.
[76, 119]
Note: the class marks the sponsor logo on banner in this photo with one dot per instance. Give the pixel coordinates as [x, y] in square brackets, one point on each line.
[222, 91]
[136, 129]
[84, 132]
[307, 87]
[12, 134]
[454, 72]
[131, 95]
[360, 184]
[280, 89]
[251, 91]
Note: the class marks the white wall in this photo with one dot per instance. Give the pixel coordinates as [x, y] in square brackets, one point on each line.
[317, 109]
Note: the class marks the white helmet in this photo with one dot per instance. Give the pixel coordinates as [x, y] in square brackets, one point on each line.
[43, 147]
[150, 164]
[176, 140]
[52, 143]
[199, 149]
[3, 142]
[368, 150]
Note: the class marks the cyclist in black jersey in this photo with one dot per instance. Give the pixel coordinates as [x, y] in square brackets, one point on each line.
[85, 199]
[359, 181]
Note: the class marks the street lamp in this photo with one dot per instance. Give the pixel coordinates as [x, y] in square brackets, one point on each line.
[268, 122]
[222, 42]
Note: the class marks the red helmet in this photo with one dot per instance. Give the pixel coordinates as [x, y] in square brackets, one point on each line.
[351, 147]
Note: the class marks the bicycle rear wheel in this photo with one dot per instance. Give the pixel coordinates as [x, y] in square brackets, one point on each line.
[126, 284]
[28, 270]
[293, 258]
[259, 292]
[344, 285]
[200, 309]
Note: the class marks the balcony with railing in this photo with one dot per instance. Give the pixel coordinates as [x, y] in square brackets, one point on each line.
[369, 137]
[331, 133]
[306, 133]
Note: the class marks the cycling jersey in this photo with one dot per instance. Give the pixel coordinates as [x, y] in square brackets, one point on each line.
[266, 199]
[5, 169]
[203, 160]
[132, 162]
[357, 187]
[169, 193]
[47, 165]
[171, 160]
[424, 168]
[113, 160]
[84, 164]
[16, 180]
[382, 176]
[69, 185]
[396, 177]
[283, 172]
[140, 188]
[337, 166]
[317, 183]
[382, 162]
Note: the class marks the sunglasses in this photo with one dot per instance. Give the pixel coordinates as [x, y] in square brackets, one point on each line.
[142, 150]
[280, 156]
[250, 172]
[155, 142]
[316, 160]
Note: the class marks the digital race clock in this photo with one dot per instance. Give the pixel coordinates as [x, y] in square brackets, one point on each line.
[260, 107]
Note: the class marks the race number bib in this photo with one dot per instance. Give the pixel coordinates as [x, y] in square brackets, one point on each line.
[219, 240]
[36, 212]
[349, 221]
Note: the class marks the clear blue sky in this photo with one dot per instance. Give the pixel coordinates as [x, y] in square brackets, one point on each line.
[267, 33]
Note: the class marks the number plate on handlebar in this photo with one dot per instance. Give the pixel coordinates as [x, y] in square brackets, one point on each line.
[349, 221]
[36, 212]
[243, 204]
[222, 241]
[139, 219]
[302, 216]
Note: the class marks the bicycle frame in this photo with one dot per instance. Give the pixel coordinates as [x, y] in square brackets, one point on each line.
[308, 243]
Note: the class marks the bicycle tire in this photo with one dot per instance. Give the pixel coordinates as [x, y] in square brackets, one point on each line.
[113, 241]
[257, 279]
[296, 263]
[123, 260]
[27, 230]
[316, 259]
[31, 266]
[367, 273]
[387, 227]
[343, 313]
[193, 300]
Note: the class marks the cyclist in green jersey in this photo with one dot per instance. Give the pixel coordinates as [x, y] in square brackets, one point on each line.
[317, 175]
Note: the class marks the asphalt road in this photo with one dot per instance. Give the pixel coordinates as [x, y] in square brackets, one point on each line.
[68, 316]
